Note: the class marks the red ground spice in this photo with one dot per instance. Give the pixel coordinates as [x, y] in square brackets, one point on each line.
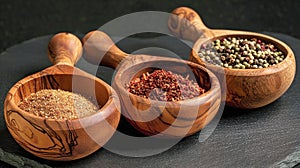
[164, 86]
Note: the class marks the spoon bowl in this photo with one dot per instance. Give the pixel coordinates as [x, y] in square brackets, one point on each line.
[246, 88]
[60, 139]
[152, 117]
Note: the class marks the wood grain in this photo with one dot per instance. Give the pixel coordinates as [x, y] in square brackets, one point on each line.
[62, 139]
[246, 88]
[100, 49]
[64, 48]
[151, 117]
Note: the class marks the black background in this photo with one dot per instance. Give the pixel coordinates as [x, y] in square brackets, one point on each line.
[22, 20]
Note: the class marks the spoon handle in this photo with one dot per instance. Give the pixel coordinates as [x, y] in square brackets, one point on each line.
[99, 48]
[64, 48]
[186, 24]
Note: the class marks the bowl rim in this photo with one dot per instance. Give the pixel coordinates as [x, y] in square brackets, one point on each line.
[215, 88]
[110, 106]
[289, 59]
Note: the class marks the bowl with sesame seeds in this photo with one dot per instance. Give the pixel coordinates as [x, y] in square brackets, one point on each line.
[161, 97]
[55, 114]
[258, 68]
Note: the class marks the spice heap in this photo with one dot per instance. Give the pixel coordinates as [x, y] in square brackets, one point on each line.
[241, 53]
[58, 104]
[164, 86]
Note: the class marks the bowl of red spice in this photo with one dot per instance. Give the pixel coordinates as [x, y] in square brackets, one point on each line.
[160, 96]
[169, 98]
[62, 113]
[258, 68]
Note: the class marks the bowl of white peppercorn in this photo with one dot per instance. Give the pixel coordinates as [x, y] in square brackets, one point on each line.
[62, 113]
[258, 68]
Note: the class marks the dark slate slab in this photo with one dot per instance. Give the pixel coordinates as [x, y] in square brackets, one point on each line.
[264, 137]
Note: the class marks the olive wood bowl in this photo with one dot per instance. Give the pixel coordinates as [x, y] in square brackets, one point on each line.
[152, 117]
[59, 139]
[246, 88]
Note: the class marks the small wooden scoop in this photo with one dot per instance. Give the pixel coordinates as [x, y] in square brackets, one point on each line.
[62, 139]
[152, 117]
[246, 88]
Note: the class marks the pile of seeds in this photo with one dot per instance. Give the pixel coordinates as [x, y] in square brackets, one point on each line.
[241, 53]
[164, 86]
[58, 104]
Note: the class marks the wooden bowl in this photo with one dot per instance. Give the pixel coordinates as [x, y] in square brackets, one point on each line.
[153, 117]
[246, 88]
[58, 139]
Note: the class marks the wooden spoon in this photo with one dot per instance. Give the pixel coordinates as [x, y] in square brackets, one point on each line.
[58, 139]
[152, 117]
[246, 88]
